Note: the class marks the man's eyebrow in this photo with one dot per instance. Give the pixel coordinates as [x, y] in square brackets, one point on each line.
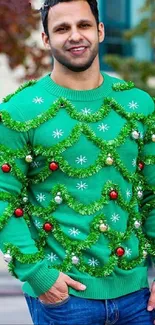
[64, 23]
[60, 25]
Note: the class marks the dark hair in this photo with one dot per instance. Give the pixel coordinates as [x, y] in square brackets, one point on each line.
[51, 3]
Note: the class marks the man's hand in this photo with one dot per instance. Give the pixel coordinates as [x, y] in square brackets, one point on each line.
[59, 291]
[151, 303]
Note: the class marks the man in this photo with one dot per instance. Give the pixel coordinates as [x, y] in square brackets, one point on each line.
[77, 181]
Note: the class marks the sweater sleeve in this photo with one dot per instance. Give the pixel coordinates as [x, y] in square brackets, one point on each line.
[28, 263]
[148, 157]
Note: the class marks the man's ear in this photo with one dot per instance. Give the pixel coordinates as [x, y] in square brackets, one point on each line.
[46, 42]
[101, 32]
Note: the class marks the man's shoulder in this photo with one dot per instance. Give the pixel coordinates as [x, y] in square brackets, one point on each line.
[27, 93]
[23, 98]
[134, 94]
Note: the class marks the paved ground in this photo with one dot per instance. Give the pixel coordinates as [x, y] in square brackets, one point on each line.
[13, 311]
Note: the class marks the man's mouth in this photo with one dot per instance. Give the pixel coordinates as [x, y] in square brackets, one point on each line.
[78, 50]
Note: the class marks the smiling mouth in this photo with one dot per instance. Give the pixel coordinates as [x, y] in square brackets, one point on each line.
[78, 50]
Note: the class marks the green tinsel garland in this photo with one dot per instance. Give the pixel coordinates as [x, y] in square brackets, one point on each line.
[25, 85]
[8, 212]
[22, 258]
[107, 147]
[75, 247]
[121, 86]
[109, 103]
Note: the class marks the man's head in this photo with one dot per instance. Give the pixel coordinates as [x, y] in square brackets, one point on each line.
[72, 32]
[51, 3]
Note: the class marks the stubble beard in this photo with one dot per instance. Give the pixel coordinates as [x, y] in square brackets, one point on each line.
[71, 66]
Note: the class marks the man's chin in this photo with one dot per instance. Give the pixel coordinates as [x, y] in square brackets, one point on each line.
[79, 67]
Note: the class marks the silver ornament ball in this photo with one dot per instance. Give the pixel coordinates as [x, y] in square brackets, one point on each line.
[109, 161]
[75, 260]
[140, 194]
[135, 135]
[137, 224]
[7, 257]
[28, 158]
[25, 199]
[153, 137]
[144, 253]
[58, 199]
[103, 227]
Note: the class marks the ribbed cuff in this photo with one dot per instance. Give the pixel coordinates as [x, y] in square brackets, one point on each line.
[43, 279]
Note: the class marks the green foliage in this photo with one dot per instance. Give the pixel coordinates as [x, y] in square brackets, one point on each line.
[129, 68]
[18, 23]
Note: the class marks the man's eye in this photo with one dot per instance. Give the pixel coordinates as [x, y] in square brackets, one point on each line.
[85, 25]
[61, 29]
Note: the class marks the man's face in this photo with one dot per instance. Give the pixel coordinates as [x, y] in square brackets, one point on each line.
[73, 35]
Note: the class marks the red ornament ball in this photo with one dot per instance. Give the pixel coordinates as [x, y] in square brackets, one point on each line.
[6, 168]
[113, 195]
[47, 226]
[19, 212]
[53, 166]
[141, 165]
[120, 251]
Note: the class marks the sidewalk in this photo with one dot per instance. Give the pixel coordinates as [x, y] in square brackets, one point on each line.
[8, 284]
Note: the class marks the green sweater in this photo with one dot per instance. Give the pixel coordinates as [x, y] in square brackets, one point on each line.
[76, 186]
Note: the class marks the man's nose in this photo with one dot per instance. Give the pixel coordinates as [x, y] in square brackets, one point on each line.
[75, 36]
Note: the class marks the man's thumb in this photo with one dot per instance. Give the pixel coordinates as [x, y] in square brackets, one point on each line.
[75, 284]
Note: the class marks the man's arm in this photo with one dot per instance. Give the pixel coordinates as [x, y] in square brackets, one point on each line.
[148, 202]
[28, 264]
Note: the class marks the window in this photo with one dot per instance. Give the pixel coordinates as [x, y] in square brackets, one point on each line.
[116, 11]
[115, 15]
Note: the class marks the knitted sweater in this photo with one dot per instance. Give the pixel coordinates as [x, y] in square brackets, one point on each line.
[77, 186]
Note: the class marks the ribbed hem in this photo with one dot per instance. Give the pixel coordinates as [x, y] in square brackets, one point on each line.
[78, 95]
[117, 285]
[43, 279]
[112, 287]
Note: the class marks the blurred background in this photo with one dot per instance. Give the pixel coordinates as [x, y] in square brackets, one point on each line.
[128, 52]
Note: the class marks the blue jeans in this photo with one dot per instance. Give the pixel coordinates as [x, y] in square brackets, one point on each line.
[127, 310]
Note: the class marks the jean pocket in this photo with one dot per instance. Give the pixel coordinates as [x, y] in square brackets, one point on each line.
[56, 304]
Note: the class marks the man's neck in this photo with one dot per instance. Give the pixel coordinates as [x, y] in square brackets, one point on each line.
[86, 80]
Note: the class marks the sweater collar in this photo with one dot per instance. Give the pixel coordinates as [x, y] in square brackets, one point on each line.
[78, 95]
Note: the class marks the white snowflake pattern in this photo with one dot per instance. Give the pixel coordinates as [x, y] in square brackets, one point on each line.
[115, 217]
[134, 162]
[35, 164]
[52, 257]
[58, 133]
[41, 197]
[86, 111]
[128, 193]
[38, 224]
[81, 186]
[128, 252]
[81, 160]
[73, 231]
[103, 127]
[93, 262]
[133, 105]
[38, 100]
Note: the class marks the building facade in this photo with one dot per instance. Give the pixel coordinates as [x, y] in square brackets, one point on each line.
[118, 16]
